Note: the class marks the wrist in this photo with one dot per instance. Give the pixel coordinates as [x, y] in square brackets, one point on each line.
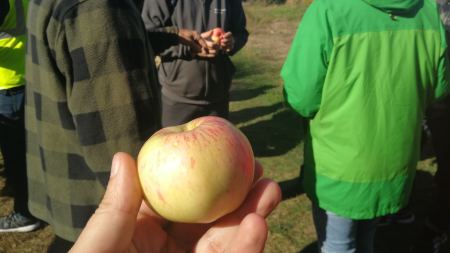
[171, 29]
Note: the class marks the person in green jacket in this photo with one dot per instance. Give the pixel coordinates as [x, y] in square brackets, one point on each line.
[363, 72]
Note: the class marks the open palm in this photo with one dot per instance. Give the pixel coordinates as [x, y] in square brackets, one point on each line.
[124, 223]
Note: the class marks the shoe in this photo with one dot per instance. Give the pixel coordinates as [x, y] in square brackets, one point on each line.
[17, 222]
[404, 216]
[431, 240]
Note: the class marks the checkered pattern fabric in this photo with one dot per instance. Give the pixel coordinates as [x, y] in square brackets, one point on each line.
[91, 92]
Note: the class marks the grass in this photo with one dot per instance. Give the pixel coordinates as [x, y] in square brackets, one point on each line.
[275, 132]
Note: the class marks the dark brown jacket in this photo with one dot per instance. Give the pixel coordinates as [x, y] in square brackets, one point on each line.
[194, 80]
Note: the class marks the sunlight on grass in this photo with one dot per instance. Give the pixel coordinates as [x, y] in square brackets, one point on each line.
[261, 13]
[258, 109]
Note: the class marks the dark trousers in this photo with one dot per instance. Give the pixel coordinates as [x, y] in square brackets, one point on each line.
[177, 113]
[438, 120]
[60, 245]
[12, 144]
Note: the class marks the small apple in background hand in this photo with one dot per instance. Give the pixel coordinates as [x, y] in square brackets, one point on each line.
[217, 35]
[196, 172]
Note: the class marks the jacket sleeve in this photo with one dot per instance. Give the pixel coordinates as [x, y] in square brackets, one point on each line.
[110, 79]
[442, 86]
[4, 9]
[163, 35]
[306, 65]
[238, 26]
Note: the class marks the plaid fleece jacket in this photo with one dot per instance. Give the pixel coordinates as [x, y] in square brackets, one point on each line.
[91, 92]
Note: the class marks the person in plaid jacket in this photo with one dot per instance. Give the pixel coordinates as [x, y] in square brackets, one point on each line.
[91, 92]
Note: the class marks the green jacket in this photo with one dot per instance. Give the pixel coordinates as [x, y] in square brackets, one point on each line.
[364, 71]
[91, 92]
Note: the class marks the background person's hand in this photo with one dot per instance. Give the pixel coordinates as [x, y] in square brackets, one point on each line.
[123, 223]
[193, 39]
[212, 49]
[227, 42]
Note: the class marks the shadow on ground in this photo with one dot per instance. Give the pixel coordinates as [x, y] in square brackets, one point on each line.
[248, 93]
[274, 136]
[310, 248]
[248, 114]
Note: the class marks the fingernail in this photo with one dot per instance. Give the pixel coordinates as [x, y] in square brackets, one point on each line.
[114, 166]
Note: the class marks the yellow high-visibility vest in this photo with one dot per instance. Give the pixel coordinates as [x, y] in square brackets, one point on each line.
[12, 45]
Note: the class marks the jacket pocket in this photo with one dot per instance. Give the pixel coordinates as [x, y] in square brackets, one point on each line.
[184, 78]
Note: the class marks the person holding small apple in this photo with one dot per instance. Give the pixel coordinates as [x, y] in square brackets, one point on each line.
[195, 77]
[124, 223]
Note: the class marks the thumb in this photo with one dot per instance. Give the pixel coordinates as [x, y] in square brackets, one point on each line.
[111, 227]
[251, 236]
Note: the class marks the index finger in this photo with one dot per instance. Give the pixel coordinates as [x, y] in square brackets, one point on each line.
[258, 171]
[201, 41]
[227, 35]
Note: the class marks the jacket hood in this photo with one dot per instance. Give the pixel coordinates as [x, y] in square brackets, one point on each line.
[395, 6]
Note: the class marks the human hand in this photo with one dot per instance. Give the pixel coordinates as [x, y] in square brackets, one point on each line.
[212, 49]
[192, 39]
[227, 42]
[124, 223]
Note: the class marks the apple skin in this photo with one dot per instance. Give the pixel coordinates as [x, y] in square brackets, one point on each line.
[196, 172]
[217, 35]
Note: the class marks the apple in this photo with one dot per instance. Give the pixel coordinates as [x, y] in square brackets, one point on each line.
[217, 35]
[196, 172]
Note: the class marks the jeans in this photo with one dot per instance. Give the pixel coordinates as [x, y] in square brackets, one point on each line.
[337, 234]
[12, 144]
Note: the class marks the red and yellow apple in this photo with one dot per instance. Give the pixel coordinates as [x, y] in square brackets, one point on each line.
[196, 172]
[217, 35]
